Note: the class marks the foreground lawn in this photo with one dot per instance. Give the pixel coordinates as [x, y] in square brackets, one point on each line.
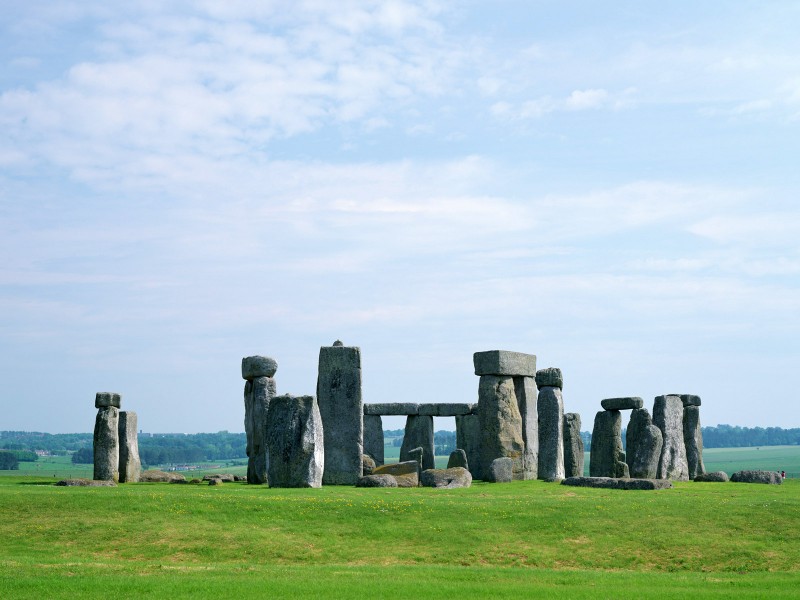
[489, 540]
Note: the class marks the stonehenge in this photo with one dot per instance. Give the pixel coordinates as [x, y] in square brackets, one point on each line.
[130, 466]
[259, 389]
[294, 436]
[693, 435]
[643, 442]
[551, 424]
[418, 434]
[115, 442]
[668, 417]
[607, 457]
[573, 446]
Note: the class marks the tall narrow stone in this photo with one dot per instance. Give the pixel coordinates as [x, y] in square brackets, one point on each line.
[468, 438]
[526, 392]
[668, 417]
[106, 437]
[373, 438]
[606, 449]
[643, 442]
[500, 424]
[573, 446]
[550, 405]
[418, 434]
[259, 389]
[294, 436]
[342, 411]
[693, 440]
[130, 467]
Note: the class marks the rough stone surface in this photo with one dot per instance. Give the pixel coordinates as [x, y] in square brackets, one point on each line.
[606, 448]
[690, 400]
[418, 434]
[693, 440]
[392, 409]
[384, 480]
[416, 455]
[668, 417]
[618, 484]
[406, 473]
[342, 410]
[550, 377]
[454, 477]
[130, 467]
[621, 469]
[215, 481]
[468, 438]
[501, 470]
[373, 438]
[772, 477]
[643, 442]
[551, 433]
[226, 477]
[85, 483]
[715, 476]
[367, 464]
[500, 424]
[106, 399]
[504, 362]
[573, 446]
[444, 409]
[258, 393]
[156, 476]
[106, 444]
[527, 402]
[258, 366]
[295, 442]
[458, 458]
[627, 403]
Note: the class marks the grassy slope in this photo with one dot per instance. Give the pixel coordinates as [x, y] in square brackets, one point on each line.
[488, 540]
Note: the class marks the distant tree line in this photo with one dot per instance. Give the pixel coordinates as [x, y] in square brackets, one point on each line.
[8, 461]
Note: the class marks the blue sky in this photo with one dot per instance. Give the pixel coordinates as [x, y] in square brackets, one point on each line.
[612, 187]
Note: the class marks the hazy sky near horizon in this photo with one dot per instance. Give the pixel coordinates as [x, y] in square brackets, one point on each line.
[609, 186]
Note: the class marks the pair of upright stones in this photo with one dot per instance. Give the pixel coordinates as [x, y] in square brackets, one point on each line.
[116, 442]
[259, 390]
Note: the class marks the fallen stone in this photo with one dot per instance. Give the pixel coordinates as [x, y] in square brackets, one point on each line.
[606, 447]
[693, 440]
[406, 473]
[373, 438]
[85, 483]
[573, 446]
[468, 437]
[618, 484]
[258, 366]
[501, 470]
[215, 481]
[130, 467]
[668, 417]
[500, 424]
[527, 402]
[504, 362]
[295, 442]
[107, 399]
[715, 476]
[444, 409]
[690, 400]
[384, 480]
[549, 377]
[643, 443]
[458, 458]
[155, 476]
[225, 477]
[106, 444]
[240, 478]
[367, 465]
[627, 403]
[418, 434]
[769, 477]
[455, 477]
[551, 433]
[392, 409]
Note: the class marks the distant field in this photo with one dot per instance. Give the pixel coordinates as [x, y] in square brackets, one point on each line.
[769, 458]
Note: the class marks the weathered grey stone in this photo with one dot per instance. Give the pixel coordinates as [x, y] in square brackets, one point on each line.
[501, 470]
[392, 409]
[693, 440]
[550, 377]
[621, 469]
[618, 484]
[342, 410]
[444, 409]
[690, 400]
[458, 458]
[504, 362]
[468, 438]
[573, 446]
[627, 403]
[527, 402]
[405, 473]
[500, 424]
[106, 399]
[716, 477]
[373, 438]
[643, 442]
[606, 448]
[367, 464]
[225, 477]
[258, 393]
[418, 434]
[106, 444]
[258, 366]
[416, 454]
[454, 477]
[551, 433]
[85, 483]
[770, 477]
[295, 442]
[156, 476]
[383, 481]
[215, 481]
[130, 467]
[668, 417]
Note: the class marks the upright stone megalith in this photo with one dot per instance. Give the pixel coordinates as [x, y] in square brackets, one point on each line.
[130, 467]
[418, 434]
[643, 442]
[500, 424]
[106, 436]
[573, 446]
[294, 436]
[342, 411]
[551, 423]
[668, 417]
[259, 389]
[468, 438]
[606, 450]
[693, 435]
[373, 438]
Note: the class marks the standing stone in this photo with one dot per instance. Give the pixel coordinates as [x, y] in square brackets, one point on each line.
[643, 442]
[500, 424]
[373, 438]
[468, 438]
[573, 445]
[525, 390]
[458, 458]
[668, 417]
[106, 444]
[606, 449]
[418, 434]
[342, 412]
[130, 467]
[295, 441]
[693, 440]
[416, 454]
[551, 429]
[259, 389]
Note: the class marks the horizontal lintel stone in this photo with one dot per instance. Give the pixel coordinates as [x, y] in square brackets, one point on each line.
[626, 403]
[690, 400]
[504, 362]
[258, 366]
[392, 409]
[106, 399]
[445, 409]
